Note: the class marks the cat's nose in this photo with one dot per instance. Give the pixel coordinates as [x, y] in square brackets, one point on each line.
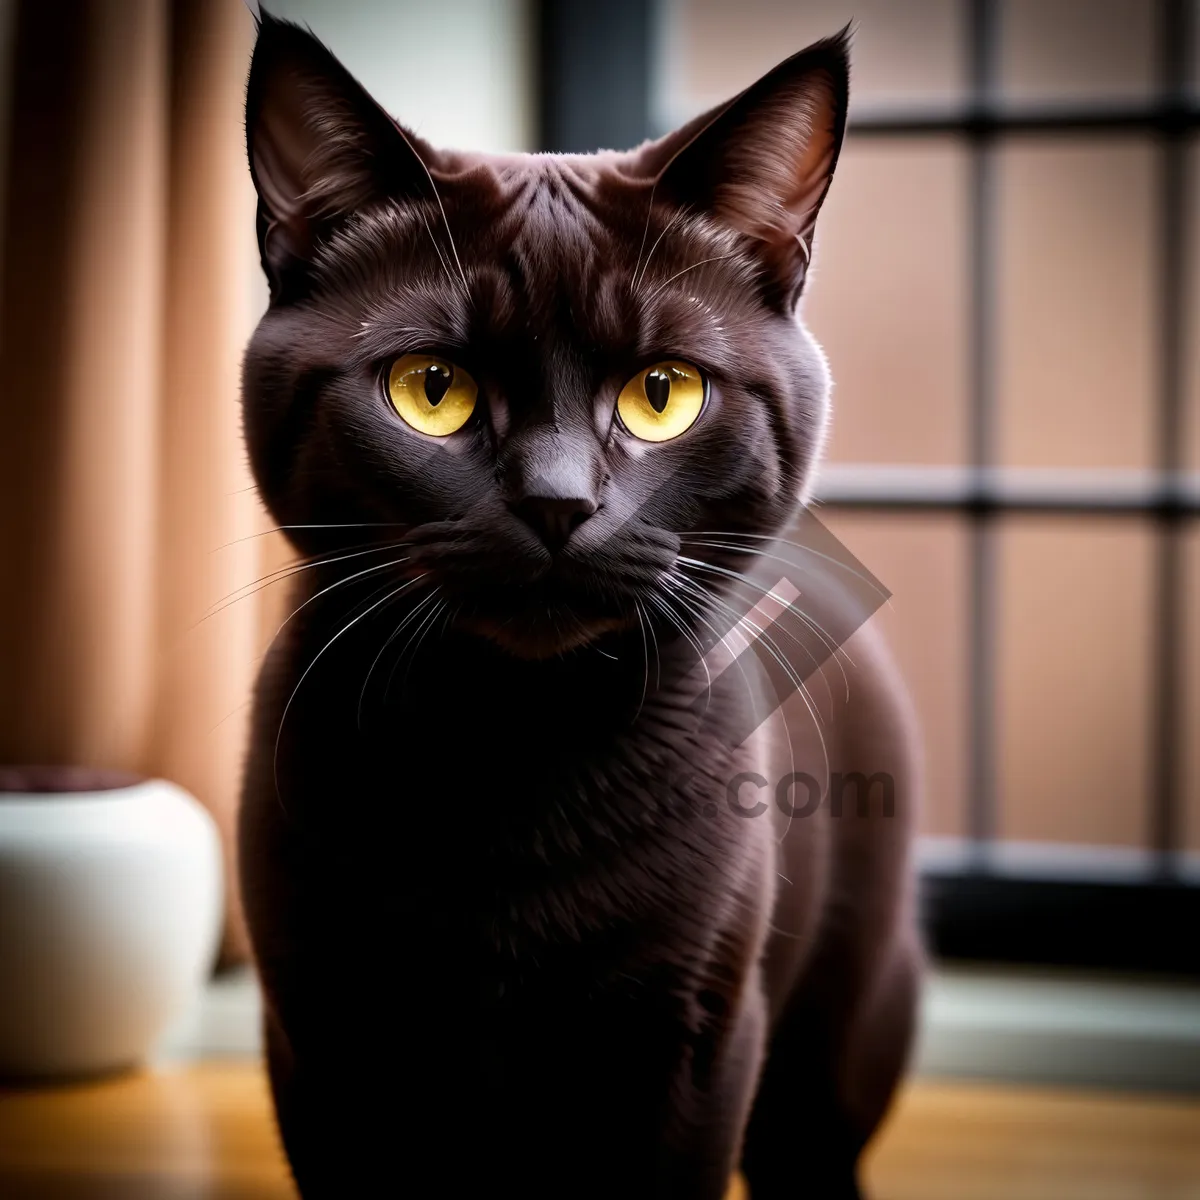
[554, 519]
[551, 480]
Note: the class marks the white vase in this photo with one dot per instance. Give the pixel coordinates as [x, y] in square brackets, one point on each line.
[110, 919]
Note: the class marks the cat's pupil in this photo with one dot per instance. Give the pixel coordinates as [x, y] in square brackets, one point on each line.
[437, 382]
[658, 390]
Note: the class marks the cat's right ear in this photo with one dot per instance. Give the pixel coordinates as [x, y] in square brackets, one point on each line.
[320, 148]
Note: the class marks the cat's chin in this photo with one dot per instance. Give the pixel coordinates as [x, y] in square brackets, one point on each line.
[539, 636]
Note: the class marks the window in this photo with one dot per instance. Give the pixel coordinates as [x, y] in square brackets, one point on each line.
[1008, 286]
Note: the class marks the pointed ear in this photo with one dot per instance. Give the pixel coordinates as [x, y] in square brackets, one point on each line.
[762, 163]
[320, 148]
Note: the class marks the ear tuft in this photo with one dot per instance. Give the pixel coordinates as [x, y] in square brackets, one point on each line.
[763, 162]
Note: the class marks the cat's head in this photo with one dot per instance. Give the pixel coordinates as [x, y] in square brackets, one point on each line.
[538, 371]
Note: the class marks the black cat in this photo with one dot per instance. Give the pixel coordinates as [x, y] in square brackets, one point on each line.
[523, 920]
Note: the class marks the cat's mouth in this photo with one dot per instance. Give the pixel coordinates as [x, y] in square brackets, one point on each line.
[533, 605]
[542, 635]
[542, 624]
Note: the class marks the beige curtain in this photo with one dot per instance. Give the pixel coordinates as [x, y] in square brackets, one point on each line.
[130, 285]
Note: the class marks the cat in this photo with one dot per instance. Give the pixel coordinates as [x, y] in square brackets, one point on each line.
[521, 917]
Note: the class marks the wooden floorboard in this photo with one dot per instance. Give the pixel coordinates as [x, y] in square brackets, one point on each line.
[205, 1131]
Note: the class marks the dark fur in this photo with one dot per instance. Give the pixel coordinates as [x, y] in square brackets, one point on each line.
[503, 944]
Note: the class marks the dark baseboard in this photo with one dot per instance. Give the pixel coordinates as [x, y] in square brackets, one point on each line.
[1120, 926]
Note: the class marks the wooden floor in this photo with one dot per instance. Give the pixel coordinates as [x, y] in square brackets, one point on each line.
[206, 1131]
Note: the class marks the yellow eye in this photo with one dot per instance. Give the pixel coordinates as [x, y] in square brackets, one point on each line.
[662, 401]
[432, 395]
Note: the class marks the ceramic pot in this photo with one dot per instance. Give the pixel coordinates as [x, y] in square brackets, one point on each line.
[110, 917]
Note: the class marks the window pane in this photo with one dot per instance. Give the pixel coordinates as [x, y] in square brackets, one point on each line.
[909, 53]
[1074, 657]
[889, 301]
[1075, 306]
[1190, 723]
[921, 560]
[1077, 50]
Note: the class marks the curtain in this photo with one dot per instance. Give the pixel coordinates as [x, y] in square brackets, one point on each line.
[130, 283]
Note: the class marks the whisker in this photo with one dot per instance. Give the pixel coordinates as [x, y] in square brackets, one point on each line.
[779, 599]
[761, 554]
[337, 583]
[754, 550]
[284, 528]
[657, 655]
[702, 263]
[229, 715]
[776, 654]
[674, 579]
[827, 640]
[423, 632]
[319, 655]
[449, 232]
[646, 656]
[836, 653]
[701, 597]
[414, 612]
[416, 633]
[660, 602]
[678, 579]
[762, 537]
[286, 572]
[782, 711]
[382, 649]
[438, 250]
[638, 279]
[764, 636]
[637, 266]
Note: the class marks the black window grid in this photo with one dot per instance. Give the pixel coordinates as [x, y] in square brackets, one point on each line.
[972, 909]
[1170, 118]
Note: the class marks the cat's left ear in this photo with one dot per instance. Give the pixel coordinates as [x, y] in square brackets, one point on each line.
[762, 163]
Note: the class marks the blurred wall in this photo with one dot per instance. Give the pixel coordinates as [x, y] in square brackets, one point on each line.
[458, 72]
